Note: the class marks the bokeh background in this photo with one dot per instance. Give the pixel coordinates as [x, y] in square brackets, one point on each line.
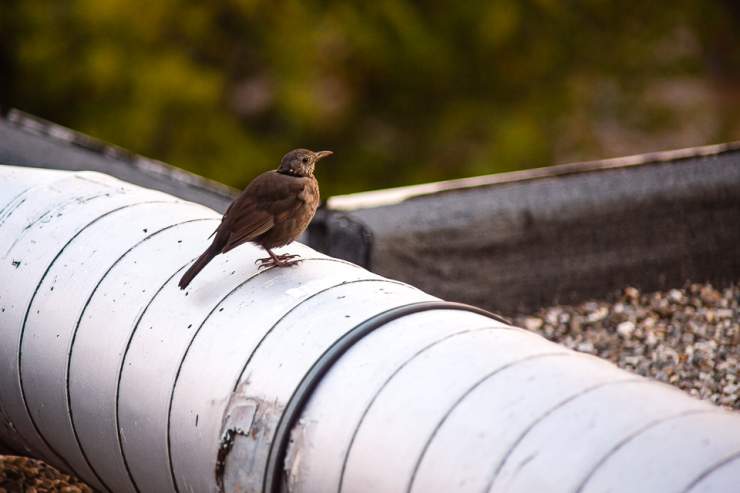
[403, 91]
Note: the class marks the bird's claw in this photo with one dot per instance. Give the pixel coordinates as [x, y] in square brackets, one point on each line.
[287, 256]
[284, 260]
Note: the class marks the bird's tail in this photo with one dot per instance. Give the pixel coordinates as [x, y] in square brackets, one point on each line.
[201, 262]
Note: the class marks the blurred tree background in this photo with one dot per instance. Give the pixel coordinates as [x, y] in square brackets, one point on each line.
[403, 91]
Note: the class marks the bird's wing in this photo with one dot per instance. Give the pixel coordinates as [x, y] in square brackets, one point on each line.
[249, 226]
[270, 199]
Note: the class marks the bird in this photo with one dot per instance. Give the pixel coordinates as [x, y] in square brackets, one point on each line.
[272, 211]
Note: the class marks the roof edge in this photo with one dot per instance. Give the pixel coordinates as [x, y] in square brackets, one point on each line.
[391, 196]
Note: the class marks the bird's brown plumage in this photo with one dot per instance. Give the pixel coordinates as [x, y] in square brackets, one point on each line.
[272, 211]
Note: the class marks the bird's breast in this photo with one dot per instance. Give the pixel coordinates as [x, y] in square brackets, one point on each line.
[310, 193]
[290, 227]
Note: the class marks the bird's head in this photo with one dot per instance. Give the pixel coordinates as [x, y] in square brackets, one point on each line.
[301, 162]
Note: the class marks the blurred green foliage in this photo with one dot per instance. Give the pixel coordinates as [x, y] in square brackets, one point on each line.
[403, 91]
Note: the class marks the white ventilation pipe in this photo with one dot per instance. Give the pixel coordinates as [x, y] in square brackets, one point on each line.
[317, 378]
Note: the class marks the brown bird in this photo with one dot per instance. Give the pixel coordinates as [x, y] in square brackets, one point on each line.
[272, 211]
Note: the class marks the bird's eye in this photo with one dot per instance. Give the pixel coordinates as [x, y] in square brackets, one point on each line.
[305, 160]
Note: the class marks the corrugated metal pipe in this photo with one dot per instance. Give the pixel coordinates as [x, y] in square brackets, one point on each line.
[318, 378]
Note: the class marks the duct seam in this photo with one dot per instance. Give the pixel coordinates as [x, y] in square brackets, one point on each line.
[710, 470]
[4, 217]
[120, 374]
[25, 319]
[228, 437]
[388, 380]
[559, 405]
[130, 340]
[634, 435]
[462, 397]
[312, 378]
[77, 326]
[56, 207]
[10, 202]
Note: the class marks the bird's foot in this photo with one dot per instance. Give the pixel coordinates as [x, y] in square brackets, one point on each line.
[287, 256]
[285, 260]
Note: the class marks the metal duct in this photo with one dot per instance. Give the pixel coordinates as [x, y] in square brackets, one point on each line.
[319, 378]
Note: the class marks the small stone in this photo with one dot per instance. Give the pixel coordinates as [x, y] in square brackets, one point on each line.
[552, 316]
[651, 339]
[625, 329]
[598, 315]
[585, 347]
[675, 295]
[632, 293]
[632, 360]
[730, 389]
[724, 313]
[649, 322]
[533, 323]
[709, 295]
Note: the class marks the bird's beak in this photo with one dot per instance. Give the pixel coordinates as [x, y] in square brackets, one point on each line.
[323, 154]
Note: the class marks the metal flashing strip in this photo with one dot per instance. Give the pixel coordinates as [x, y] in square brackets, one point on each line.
[397, 195]
[65, 136]
[311, 380]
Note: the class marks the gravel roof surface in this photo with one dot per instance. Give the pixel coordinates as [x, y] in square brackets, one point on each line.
[23, 475]
[687, 337]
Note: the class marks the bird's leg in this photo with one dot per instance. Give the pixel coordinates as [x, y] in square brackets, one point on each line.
[273, 260]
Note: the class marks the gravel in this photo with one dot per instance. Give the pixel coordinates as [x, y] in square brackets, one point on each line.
[687, 337]
[20, 474]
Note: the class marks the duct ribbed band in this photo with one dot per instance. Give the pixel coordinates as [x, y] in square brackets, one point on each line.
[322, 377]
